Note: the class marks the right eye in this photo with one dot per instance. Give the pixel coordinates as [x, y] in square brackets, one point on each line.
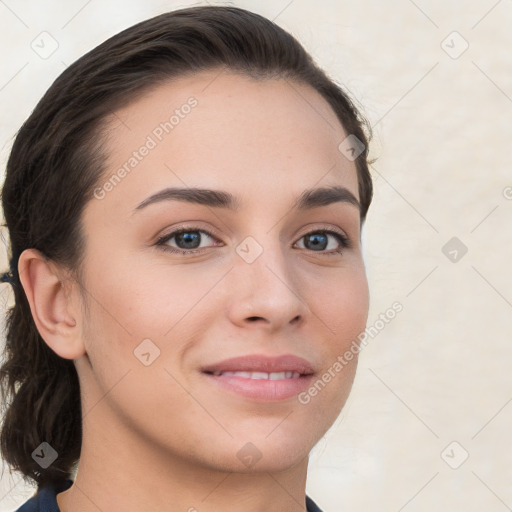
[188, 237]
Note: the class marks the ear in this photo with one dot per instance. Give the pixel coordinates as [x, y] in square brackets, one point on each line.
[53, 303]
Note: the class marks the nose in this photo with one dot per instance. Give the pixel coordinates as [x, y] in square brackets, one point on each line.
[263, 289]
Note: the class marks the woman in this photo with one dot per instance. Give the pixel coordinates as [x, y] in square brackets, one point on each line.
[185, 208]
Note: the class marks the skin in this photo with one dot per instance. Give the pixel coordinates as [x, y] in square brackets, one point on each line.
[162, 434]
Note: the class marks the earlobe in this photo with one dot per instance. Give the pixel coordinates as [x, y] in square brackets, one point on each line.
[52, 305]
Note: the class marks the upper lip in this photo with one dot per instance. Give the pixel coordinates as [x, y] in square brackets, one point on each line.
[262, 363]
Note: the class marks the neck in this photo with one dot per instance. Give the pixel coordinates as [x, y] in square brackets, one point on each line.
[122, 470]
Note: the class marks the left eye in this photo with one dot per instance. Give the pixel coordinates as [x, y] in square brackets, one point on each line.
[319, 239]
[188, 241]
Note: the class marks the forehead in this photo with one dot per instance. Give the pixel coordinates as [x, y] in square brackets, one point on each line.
[222, 130]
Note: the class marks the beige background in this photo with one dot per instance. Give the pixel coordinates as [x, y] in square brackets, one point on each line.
[440, 371]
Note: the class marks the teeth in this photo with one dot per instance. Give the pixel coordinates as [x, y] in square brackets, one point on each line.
[261, 375]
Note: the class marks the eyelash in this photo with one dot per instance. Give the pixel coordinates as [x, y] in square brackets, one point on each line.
[344, 241]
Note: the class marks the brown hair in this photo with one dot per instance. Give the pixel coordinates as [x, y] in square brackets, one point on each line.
[56, 162]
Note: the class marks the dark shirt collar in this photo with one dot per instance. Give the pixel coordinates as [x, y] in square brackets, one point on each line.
[45, 500]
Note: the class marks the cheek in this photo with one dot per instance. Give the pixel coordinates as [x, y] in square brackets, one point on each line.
[345, 313]
[147, 300]
[342, 304]
[152, 313]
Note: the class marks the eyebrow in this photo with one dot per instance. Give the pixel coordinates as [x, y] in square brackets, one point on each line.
[310, 198]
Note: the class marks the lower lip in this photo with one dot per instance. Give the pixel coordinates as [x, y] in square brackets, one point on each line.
[263, 390]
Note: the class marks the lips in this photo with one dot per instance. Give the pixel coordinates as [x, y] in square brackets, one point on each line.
[260, 364]
[261, 378]
[260, 375]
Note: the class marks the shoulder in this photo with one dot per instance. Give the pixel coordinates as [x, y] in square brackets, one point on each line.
[45, 499]
[311, 506]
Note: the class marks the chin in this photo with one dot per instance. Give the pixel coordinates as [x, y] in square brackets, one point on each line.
[262, 453]
[254, 461]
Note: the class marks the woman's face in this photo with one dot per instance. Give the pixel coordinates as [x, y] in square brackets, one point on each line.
[267, 279]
